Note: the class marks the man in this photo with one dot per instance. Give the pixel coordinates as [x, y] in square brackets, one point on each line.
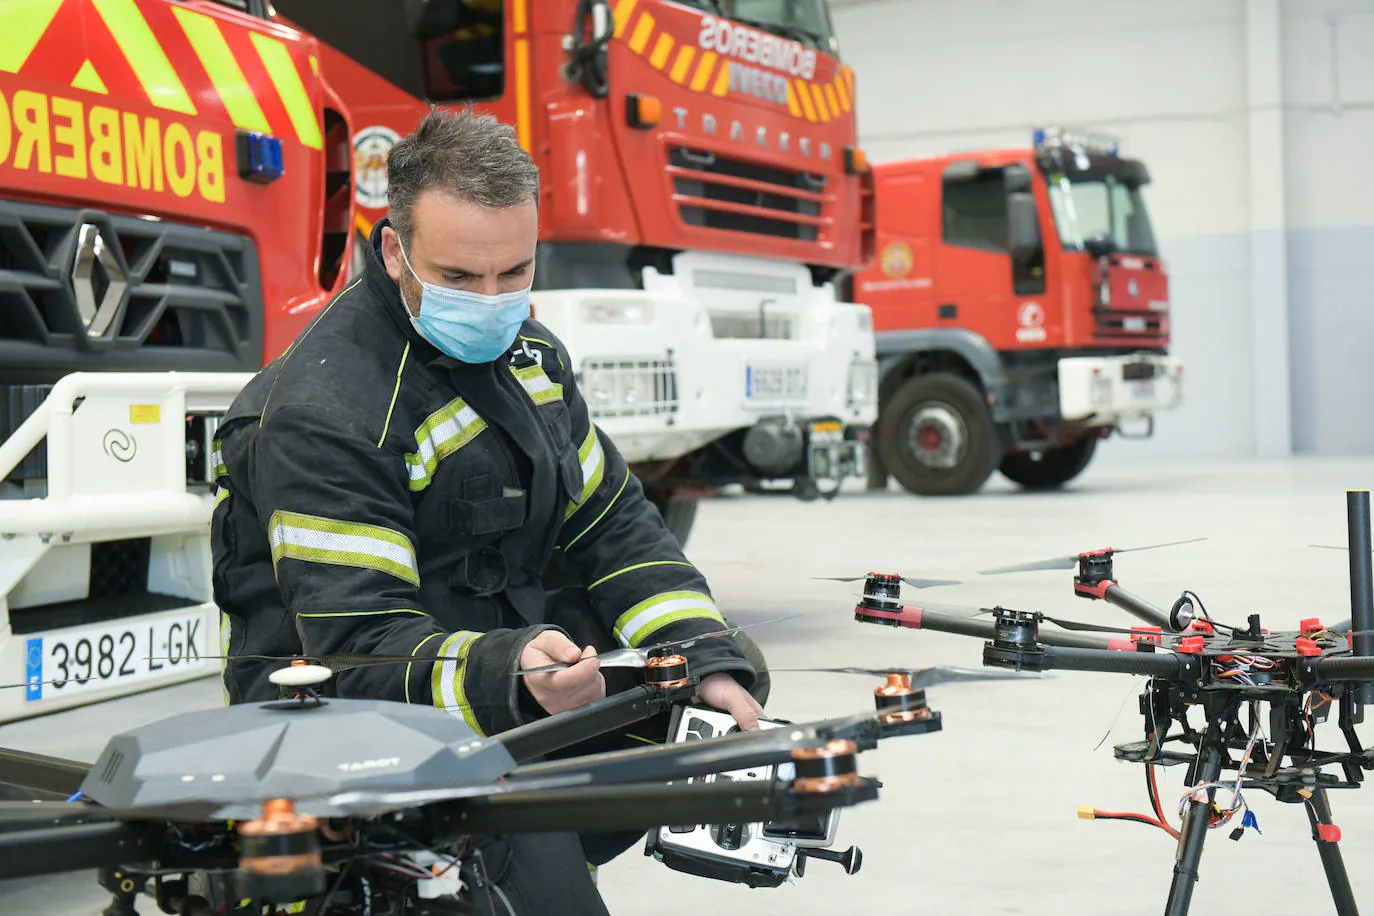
[398, 481]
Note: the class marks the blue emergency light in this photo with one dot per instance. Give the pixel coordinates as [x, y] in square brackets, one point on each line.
[259, 157]
[1057, 137]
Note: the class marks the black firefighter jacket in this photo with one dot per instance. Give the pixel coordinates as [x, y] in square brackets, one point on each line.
[379, 497]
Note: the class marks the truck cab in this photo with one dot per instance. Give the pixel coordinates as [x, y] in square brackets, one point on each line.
[1021, 311]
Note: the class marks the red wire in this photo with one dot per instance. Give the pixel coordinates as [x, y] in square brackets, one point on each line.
[1154, 801]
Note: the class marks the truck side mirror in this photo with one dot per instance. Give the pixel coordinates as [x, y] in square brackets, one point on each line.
[1099, 244]
[1023, 226]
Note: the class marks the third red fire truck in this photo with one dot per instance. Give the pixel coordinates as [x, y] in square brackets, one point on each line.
[1022, 313]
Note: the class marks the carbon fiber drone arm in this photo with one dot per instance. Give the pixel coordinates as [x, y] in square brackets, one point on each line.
[1151, 664]
[527, 742]
[701, 758]
[918, 618]
[638, 807]
[1345, 668]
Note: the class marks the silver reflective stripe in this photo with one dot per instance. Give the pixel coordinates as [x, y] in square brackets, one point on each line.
[313, 539]
[650, 615]
[446, 683]
[593, 461]
[444, 432]
[538, 385]
[217, 461]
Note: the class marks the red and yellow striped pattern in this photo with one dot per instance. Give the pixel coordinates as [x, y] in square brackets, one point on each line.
[708, 72]
[132, 49]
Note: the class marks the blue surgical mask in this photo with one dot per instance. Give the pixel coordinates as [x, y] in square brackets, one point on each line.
[470, 327]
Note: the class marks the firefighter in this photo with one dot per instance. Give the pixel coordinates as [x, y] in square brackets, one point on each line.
[401, 478]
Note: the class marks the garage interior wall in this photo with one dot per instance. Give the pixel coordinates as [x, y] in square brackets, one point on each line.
[1256, 120]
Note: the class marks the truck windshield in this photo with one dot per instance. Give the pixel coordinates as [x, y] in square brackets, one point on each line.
[1087, 205]
[804, 21]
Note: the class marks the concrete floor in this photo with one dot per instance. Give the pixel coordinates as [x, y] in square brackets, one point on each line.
[981, 817]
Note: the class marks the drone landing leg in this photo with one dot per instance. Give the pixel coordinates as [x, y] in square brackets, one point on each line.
[1195, 823]
[1319, 814]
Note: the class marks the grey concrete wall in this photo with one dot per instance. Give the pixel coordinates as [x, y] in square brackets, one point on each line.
[1250, 172]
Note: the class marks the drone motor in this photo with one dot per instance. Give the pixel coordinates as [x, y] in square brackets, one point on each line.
[666, 671]
[1015, 642]
[280, 855]
[898, 701]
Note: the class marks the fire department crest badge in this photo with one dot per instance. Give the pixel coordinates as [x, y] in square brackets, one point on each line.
[370, 148]
[896, 259]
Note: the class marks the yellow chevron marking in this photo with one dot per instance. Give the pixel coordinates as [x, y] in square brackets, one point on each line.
[86, 78]
[623, 10]
[662, 48]
[282, 69]
[685, 55]
[703, 74]
[145, 55]
[643, 29]
[229, 82]
[25, 23]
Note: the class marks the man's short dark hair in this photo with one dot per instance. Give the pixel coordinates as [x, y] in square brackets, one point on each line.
[468, 156]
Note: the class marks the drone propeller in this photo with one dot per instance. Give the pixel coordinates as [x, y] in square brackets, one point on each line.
[639, 657]
[1071, 562]
[1329, 547]
[914, 583]
[920, 677]
[1075, 625]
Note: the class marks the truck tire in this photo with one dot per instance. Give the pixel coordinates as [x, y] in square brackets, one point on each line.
[678, 514]
[1054, 468]
[936, 437]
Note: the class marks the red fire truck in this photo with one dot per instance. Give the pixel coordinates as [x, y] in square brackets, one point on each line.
[1022, 313]
[183, 184]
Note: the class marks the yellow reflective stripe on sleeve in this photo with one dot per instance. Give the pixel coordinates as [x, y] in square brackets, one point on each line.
[312, 539]
[223, 70]
[217, 467]
[592, 457]
[446, 682]
[226, 632]
[627, 569]
[145, 55]
[444, 432]
[220, 496]
[414, 652]
[386, 427]
[594, 523]
[537, 384]
[649, 616]
[25, 23]
[282, 69]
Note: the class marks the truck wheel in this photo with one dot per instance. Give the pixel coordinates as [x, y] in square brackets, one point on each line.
[678, 514]
[937, 437]
[1055, 466]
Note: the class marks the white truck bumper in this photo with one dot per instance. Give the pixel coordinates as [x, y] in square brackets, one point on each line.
[1107, 390]
[116, 473]
[667, 370]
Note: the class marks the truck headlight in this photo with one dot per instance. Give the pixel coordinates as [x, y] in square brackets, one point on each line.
[630, 387]
[618, 311]
[863, 383]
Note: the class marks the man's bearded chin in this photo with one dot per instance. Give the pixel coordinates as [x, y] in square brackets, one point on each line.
[411, 291]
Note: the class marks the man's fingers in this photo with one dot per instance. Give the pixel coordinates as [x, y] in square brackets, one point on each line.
[574, 677]
[746, 714]
[556, 646]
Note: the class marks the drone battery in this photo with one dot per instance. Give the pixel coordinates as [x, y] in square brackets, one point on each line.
[759, 854]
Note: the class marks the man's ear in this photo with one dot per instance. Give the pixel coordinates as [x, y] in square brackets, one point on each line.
[391, 253]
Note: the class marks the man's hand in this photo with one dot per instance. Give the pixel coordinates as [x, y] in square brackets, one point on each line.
[724, 692]
[570, 688]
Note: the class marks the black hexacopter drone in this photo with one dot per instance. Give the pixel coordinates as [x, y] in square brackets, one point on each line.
[1229, 673]
[361, 806]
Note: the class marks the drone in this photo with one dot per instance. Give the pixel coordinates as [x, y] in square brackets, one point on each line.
[1261, 694]
[362, 806]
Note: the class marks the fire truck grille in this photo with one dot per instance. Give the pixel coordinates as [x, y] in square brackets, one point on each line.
[82, 290]
[717, 192]
[630, 387]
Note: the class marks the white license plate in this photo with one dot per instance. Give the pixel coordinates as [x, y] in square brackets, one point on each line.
[1141, 389]
[1133, 323]
[118, 653]
[775, 383]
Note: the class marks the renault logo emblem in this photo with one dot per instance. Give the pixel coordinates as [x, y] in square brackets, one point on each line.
[98, 281]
